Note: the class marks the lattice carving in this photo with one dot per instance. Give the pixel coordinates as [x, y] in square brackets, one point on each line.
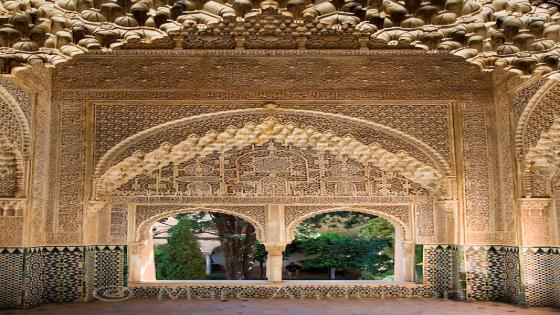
[504, 216]
[557, 206]
[269, 169]
[255, 134]
[118, 218]
[540, 180]
[362, 130]
[476, 173]
[11, 227]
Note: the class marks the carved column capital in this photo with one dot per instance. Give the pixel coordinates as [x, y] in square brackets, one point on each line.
[447, 205]
[136, 248]
[95, 207]
[275, 249]
[408, 247]
[533, 206]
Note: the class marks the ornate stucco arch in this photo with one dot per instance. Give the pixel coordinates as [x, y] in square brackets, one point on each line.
[531, 112]
[110, 174]
[399, 225]
[142, 233]
[538, 157]
[142, 264]
[112, 156]
[536, 146]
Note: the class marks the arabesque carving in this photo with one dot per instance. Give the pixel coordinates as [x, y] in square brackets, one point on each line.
[256, 134]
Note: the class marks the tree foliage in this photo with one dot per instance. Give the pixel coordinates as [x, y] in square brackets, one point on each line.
[336, 219]
[237, 239]
[180, 258]
[381, 229]
[370, 250]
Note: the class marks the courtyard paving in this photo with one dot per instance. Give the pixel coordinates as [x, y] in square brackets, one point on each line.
[147, 306]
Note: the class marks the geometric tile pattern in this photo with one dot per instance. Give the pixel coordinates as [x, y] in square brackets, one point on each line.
[541, 270]
[33, 278]
[52, 274]
[493, 273]
[39, 275]
[109, 270]
[89, 272]
[11, 273]
[444, 271]
[63, 274]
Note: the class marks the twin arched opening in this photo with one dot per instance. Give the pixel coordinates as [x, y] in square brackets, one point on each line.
[142, 258]
[275, 164]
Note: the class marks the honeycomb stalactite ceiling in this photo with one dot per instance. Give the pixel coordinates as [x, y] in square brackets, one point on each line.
[516, 34]
[254, 134]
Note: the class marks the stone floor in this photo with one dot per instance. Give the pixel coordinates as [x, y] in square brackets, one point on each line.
[283, 306]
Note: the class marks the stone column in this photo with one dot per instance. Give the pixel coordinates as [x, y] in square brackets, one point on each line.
[91, 224]
[208, 263]
[446, 225]
[141, 261]
[404, 258]
[536, 221]
[274, 261]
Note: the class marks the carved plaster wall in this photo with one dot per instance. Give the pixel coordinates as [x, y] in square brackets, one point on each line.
[275, 136]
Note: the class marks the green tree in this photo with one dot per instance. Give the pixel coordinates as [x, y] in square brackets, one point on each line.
[336, 219]
[381, 230]
[180, 258]
[333, 250]
[237, 240]
[369, 249]
[378, 228]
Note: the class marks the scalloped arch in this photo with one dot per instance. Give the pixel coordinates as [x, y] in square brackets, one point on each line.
[521, 148]
[397, 223]
[108, 159]
[142, 232]
[269, 129]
